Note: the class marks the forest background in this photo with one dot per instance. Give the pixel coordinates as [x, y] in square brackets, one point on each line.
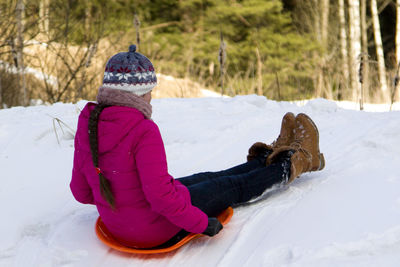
[56, 50]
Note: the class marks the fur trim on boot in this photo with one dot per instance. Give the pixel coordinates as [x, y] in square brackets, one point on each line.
[258, 149]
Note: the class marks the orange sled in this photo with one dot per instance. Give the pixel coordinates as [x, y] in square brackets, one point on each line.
[104, 235]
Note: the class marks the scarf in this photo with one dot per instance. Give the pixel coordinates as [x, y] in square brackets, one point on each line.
[115, 97]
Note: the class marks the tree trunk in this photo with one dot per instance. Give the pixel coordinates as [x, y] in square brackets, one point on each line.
[364, 79]
[259, 73]
[44, 16]
[321, 22]
[317, 20]
[88, 19]
[379, 50]
[19, 17]
[1, 93]
[398, 31]
[343, 50]
[396, 87]
[221, 59]
[355, 46]
[136, 23]
[324, 21]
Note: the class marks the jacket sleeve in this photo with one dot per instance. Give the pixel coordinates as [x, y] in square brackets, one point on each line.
[79, 185]
[166, 197]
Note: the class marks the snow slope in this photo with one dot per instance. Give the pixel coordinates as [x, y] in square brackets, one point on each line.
[346, 215]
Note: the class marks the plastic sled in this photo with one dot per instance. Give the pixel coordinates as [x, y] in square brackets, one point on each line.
[104, 235]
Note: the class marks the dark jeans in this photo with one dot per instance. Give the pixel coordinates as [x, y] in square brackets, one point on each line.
[213, 192]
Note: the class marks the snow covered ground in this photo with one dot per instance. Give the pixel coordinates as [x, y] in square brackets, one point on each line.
[346, 215]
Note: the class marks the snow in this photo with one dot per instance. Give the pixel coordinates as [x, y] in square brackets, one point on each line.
[346, 215]
[352, 105]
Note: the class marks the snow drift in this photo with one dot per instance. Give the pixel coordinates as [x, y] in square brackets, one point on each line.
[346, 215]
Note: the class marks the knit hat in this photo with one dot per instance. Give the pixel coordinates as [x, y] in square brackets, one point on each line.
[130, 71]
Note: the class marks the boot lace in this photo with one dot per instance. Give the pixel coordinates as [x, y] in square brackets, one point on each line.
[296, 144]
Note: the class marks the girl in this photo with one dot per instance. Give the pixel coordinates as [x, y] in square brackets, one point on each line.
[120, 163]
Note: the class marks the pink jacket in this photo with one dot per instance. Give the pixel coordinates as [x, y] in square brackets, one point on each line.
[151, 207]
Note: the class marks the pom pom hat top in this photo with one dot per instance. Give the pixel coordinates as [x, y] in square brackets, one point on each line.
[130, 71]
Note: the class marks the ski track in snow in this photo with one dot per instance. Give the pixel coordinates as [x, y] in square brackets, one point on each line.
[346, 215]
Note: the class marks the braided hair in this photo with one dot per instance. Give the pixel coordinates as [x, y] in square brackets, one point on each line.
[105, 187]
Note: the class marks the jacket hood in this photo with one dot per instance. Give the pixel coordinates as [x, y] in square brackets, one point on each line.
[114, 125]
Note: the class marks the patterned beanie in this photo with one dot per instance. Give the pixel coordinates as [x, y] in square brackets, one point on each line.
[130, 71]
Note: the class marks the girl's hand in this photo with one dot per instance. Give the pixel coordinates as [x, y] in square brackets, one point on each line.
[213, 228]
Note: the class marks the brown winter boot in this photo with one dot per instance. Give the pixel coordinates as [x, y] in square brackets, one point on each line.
[286, 136]
[305, 148]
[307, 136]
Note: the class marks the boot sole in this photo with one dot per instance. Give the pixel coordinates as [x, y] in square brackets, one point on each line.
[321, 162]
[321, 155]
